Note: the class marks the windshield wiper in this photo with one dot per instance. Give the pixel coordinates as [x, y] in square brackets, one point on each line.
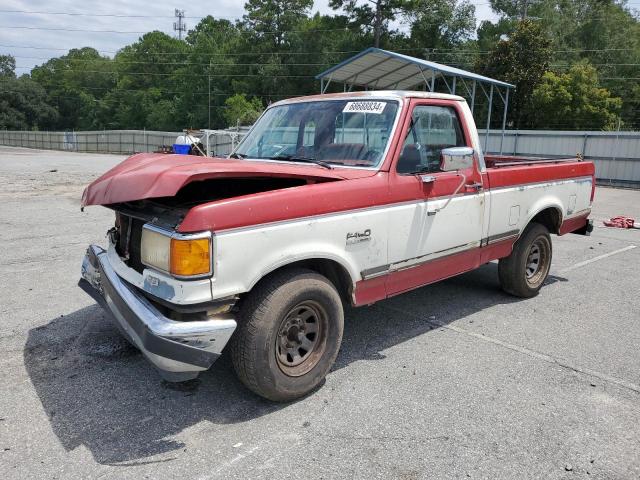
[237, 155]
[296, 158]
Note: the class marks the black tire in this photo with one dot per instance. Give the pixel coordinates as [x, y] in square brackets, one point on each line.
[524, 271]
[274, 350]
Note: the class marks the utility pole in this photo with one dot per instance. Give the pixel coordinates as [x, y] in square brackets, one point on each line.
[209, 75]
[179, 26]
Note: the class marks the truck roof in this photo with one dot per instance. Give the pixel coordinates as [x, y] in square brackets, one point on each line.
[385, 94]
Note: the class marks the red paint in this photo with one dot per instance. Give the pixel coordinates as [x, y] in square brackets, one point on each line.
[532, 173]
[159, 175]
[154, 175]
[383, 188]
[395, 283]
[370, 291]
[497, 250]
[573, 224]
[433, 271]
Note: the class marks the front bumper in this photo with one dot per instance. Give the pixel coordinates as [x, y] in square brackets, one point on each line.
[179, 350]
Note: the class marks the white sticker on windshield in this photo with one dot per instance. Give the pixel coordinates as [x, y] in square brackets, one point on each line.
[364, 107]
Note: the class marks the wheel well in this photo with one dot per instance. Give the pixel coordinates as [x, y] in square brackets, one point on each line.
[330, 269]
[550, 218]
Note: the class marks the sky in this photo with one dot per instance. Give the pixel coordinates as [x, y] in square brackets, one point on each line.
[33, 38]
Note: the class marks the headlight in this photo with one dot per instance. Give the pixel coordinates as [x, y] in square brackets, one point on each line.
[179, 255]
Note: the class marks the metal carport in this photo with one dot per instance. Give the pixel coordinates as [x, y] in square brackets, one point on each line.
[377, 69]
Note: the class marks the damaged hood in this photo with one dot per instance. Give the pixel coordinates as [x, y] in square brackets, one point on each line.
[147, 175]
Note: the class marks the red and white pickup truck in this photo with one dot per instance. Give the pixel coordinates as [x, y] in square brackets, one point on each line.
[329, 200]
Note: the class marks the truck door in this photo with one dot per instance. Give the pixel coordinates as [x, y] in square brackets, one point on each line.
[436, 233]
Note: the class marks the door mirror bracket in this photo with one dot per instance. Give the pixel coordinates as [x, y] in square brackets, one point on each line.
[426, 179]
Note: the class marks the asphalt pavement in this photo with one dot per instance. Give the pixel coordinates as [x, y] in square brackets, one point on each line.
[455, 380]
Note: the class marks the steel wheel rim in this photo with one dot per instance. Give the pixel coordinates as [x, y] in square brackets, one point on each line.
[301, 338]
[537, 263]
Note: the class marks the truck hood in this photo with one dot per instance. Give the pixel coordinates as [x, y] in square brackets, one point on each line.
[146, 175]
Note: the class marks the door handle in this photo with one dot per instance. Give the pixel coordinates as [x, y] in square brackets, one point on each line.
[473, 186]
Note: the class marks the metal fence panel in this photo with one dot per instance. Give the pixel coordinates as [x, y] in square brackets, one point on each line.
[616, 154]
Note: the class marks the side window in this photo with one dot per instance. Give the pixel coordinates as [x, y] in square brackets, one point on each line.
[432, 129]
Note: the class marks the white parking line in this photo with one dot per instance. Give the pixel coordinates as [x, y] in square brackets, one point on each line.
[595, 259]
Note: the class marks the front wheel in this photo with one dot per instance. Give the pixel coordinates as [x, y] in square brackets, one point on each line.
[524, 271]
[289, 333]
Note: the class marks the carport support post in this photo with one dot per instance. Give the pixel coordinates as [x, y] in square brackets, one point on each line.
[486, 133]
[504, 118]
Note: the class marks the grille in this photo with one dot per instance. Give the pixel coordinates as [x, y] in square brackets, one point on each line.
[129, 241]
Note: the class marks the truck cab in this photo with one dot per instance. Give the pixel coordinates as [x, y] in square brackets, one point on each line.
[329, 200]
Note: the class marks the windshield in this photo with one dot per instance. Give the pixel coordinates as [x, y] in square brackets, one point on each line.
[335, 132]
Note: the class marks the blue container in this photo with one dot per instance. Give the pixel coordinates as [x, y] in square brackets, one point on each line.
[181, 149]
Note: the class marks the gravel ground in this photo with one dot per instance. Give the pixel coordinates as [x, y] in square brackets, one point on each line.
[454, 380]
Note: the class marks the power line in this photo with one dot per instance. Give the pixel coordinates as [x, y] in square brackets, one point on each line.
[337, 52]
[247, 32]
[113, 15]
[181, 74]
[234, 64]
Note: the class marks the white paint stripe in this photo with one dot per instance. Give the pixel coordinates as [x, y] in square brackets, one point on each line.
[595, 259]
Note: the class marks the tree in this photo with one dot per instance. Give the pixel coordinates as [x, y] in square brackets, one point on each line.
[7, 66]
[23, 104]
[575, 100]
[75, 83]
[207, 76]
[440, 24]
[521, 60]
[274, 19]
[241, 110]
[514, 8]
[372, 15]
[149, 71]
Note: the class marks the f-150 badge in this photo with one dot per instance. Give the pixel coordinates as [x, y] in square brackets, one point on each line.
[357, 237]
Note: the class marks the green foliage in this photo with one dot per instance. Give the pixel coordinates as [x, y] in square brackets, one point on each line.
[277, 48]
[373, 16]
[440, 24]
[521, 60]
[75, 83]
[7, 66]
[23, 104]
[241, 110]
[577, 98]
[272, 20]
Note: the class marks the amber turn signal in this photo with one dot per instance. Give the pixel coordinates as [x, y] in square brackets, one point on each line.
[190, 257]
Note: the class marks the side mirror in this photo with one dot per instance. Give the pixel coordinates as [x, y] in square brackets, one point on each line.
[456, 158]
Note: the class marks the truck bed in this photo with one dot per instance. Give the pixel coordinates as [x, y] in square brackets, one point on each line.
[509, 171]
[499, 161]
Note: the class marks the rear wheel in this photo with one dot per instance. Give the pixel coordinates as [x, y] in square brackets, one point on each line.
[524, 271]
[289, 333]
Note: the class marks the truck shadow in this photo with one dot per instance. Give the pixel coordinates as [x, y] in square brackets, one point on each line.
[99, 392]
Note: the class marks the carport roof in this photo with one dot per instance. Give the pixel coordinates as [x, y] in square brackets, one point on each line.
[379, 69]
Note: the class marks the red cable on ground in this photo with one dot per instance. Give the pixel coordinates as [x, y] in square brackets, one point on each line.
[620, 222]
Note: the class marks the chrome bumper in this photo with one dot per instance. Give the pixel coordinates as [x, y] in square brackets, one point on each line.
[179, 350]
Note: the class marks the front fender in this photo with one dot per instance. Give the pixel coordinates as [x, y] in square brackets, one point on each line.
[355, 241]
